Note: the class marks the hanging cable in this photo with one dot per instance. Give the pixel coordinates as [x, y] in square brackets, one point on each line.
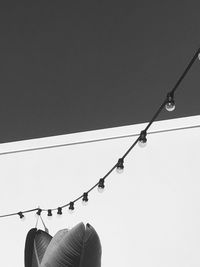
[168, 103]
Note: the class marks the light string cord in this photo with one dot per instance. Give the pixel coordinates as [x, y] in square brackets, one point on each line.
[143, 133]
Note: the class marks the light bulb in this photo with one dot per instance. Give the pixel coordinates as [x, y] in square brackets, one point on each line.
[71, 211]
[59, 212]
[71, 208]
[170, 103]
[49, 214]
[142, 143]
[120, 166]
[100, 189]
[23, 219]
[101, 186]
[119, 170]
[84, 203]
[38, 213]
[85, 199]
[170, 106]
[21, 215]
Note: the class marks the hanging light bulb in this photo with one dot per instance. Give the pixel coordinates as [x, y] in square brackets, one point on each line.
[120, 165]
[49, 214]
[71, 207]
[59, 212]
[39, 211]
[101, 186]
[170, 103]
[142, 139]
[85, 199]
[21, 216]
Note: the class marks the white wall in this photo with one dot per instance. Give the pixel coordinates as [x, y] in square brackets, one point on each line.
[148, 216]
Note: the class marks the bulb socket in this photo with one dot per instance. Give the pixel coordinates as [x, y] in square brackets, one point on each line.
[21, 215]
[39, 211]
[85, 197]
[101, 183]
[59, 212]
[71, 206]
[49, 213]
[120, 165]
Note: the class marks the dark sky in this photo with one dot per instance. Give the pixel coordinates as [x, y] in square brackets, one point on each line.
[71, 66]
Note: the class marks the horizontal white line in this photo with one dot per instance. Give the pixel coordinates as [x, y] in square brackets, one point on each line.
[95, 140]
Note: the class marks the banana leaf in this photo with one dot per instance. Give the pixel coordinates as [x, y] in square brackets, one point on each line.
[36, 244]
[79, 247]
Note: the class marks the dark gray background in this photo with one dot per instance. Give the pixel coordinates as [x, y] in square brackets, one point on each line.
[71, 66]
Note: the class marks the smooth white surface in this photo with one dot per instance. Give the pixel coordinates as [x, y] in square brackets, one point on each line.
[148, 216]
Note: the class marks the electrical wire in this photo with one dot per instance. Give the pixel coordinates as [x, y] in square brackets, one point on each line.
[71, 203]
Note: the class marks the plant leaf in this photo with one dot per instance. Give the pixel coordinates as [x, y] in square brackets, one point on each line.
[36, 244]
[79, 247]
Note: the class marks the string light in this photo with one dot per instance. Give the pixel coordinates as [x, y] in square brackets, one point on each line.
[21, 216]
[85, 199]
[38, 213]
[101, 186]
[168, 103]
[120, 165]
[49, 213]
[59, 212]
[71, 207]
[142, 139]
